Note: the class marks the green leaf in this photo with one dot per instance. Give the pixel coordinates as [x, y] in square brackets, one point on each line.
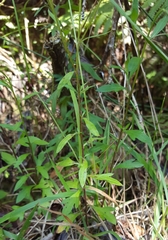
[30, 95]
[137, 28]
[40, 159]
[56, 139]
[106, 177]
[3, 194]
[73, 200]
[15, 217]
[8, 158]
[69, 205]
[95, 120]
[162, 148]
[47, 192]
[132, 65]
[53, 98]
[2, 169]
[99, 146]
[52, 16]
[140, 135]
[42, 184]
[14, 127]
[76, 107]
[21, 182]
[24, 194]
[65, 81]
[38, 141]
[134, 11]
[83, 173]
[159, 26]
[89, 69]
[33, 140]
[73, 184]
[105, 213]
[26, 224]
[129, 164]
[114, 87]
[63, 142]
[43, 171]
[8, 235]
[2, 83]
[20, 159]
[66, 163]
[76, 197]
[91, 127]
[100, 20]
[21, 210]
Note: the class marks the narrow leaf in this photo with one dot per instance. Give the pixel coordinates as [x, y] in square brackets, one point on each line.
[21, 182]
[8, 158]
[20, 159]
[14, 127]
[33, 140]
[134, 11]
[21, 210]
[69, 205]
[107, 177]
[3, 194]
[114, 87]
[63, 142]
[2, 83]
[43, 171]
[65, 81]
[30, 95]
[138, 134]
[24, 193]
[105, 213]
[91, 127]
[132, 65]
[159, 26]
[83, 173]
[66, 163]
[52, 16]
[8, 235]
[129, 164]
[26, 224]
[2, 169]
[89, 68]
[152, 44]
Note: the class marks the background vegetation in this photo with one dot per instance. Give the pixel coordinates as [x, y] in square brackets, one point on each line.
[83, 119]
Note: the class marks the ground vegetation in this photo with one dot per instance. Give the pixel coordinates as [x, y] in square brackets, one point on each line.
[83, 119]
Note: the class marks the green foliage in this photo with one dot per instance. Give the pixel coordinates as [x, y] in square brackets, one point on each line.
[132, 65]
[157, 17]
[105, 214]
[83, 173]
[3, 194]
[26, 224]
[63, 142]
[82, 158]
[156, 11]
[114, 87]
[89, 68]
[134, 11]
[91, 127]
[129, 164]
[103, 17]
[31, 140]
[148, 40]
